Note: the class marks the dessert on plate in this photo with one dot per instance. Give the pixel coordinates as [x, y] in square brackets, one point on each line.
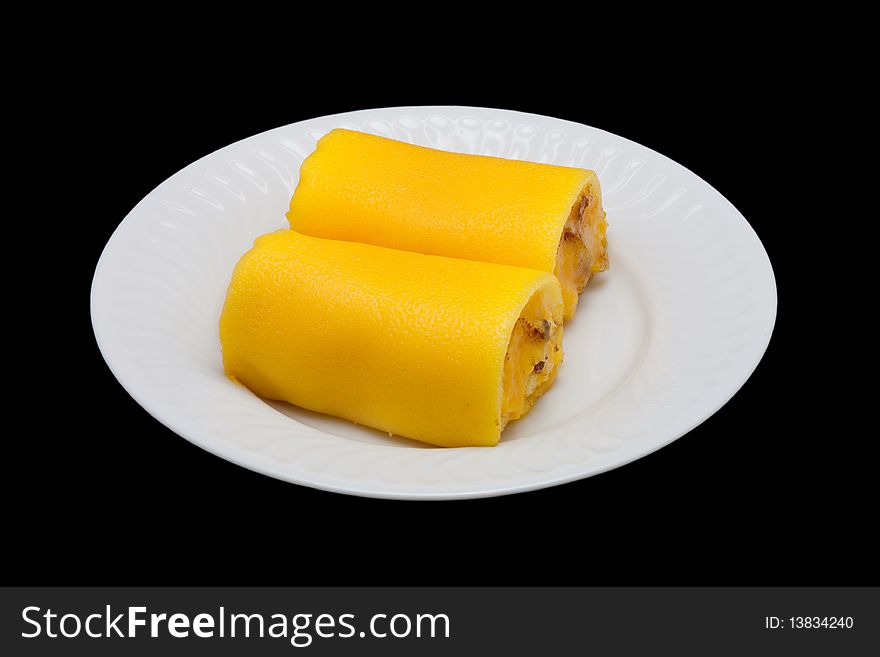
[363, 188]
[442, 350]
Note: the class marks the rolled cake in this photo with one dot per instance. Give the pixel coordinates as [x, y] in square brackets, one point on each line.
[442, 350]
[363, 188]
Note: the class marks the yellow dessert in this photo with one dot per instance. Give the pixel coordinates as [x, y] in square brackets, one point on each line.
[442, 350]
[363, 188]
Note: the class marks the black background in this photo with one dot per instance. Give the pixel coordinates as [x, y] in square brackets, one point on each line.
[769, 490]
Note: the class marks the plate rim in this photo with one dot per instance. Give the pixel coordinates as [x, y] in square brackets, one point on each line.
[266, 468]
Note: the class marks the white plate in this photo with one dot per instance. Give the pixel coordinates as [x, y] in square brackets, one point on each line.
[659, 342]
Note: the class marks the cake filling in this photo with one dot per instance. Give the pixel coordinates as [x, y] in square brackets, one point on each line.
[581, 250]
[533, 358]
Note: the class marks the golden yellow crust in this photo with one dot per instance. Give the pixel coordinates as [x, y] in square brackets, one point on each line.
[407, 343]
[362, 188]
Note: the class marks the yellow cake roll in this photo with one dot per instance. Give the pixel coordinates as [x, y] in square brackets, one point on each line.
[442, 350]
[363, 188]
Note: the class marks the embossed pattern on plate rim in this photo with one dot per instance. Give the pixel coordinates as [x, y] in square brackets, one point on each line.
[525, 464]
